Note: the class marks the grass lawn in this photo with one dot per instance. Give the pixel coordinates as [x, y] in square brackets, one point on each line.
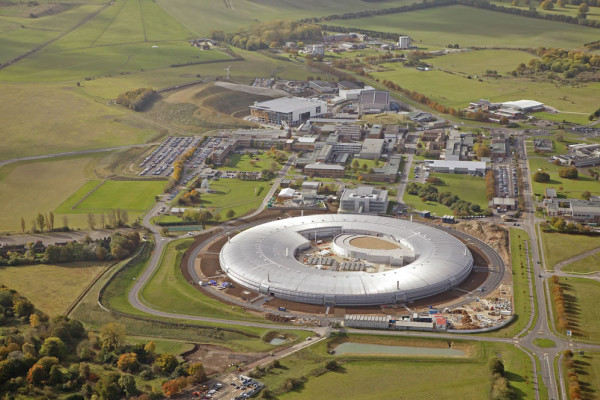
[368, 377]
[581, 298]
[49, 119]
[127, 195]
[586, 265]
[240, 196]
[469, 188]
[94, 317]
[33, 187]
[567, 9]
[569, 188]
[168, 290]
[52, 288]
[470, 26]
[243, 162]
[561, 246]
[574, 117]
[587, 367]
[544, 343]
[476, 62]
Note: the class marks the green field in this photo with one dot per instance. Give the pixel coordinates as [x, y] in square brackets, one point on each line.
[168, 290]
[469, 188]
[470, 26]
[365, 377]
[589, 264]
[51, 119]
[587, 367]
[457, 90]
[127, 36]
[52, 288]
[561, 246]
[240, 196]
[569, 188]
[29, 188]
[204, 15]
[126, 195]
[567, 9]
[476, 62]
[242, 162]
[581, 297]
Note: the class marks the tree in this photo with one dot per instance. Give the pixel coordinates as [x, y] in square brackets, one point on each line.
[482, 151]
[547, 5]
[541, 176]
[50, 221]
[41, 222]
[53, 347]
[22, 225]
[583, 9]
[496, 366]
[127, 384]
[560, 3]
[197, 372]
[166, 362]
[112, 335]
[586, 195]
[128, 362]
[108, 387]
[91, 219]
[560, 137]
[36, 375]
[229, 214]
[568, 172]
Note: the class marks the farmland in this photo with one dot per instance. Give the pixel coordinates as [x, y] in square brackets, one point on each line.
[29, 188]
[469, 27]
[456, 88]
[52, 288]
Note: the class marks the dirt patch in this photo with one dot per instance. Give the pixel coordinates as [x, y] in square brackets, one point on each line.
[217, 359]
[372, 243]
[493, 235]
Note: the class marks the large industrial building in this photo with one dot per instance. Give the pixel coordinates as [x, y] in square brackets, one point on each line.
[289, 110]
[405, 260]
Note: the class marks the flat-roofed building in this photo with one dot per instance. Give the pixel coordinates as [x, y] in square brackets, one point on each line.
[348, 132]
[372, 149]
[325, 170]
[457, 167]
[364, 200]
[323, 87]
[289, 110]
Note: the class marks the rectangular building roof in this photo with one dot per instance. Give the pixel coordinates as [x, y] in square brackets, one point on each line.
[325, 166]
[288, 104]
[470, 165]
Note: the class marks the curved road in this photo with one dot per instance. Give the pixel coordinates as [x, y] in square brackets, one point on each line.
[541, 329]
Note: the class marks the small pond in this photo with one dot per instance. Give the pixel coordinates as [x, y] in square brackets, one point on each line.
[365, 348]
[277, 341]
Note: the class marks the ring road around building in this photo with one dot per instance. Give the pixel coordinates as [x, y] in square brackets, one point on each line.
[346, 260]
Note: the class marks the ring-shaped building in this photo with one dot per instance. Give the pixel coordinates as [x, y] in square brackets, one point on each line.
[263, 259]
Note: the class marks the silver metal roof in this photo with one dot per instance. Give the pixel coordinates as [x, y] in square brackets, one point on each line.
[262, 258]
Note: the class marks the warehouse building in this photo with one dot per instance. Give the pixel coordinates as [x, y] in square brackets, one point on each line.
[287, 110]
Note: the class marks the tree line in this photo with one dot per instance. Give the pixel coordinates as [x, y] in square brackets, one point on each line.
[484, 4]
[43, 357]
[568, 62]
[274, 34]
[116, 247]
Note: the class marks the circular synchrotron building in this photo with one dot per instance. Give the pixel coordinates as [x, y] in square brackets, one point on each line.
[346, 260]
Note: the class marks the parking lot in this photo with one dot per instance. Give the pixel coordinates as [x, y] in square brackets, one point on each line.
[506, 180]
[233, 387]
[160, 162]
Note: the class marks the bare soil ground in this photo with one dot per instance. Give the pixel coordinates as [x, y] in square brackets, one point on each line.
[217, 359]
[372, 243]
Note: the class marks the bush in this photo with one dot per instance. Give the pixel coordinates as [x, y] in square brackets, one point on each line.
[568, 173]
[541, 176]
